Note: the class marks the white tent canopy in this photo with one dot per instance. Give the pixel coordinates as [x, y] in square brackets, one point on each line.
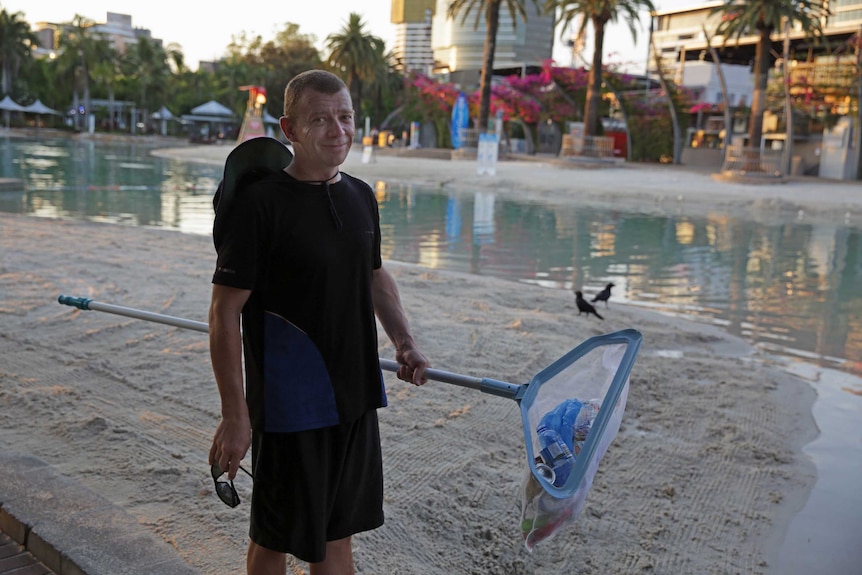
[162, 114]
[10, 105]
[38, 107]
[212, 108]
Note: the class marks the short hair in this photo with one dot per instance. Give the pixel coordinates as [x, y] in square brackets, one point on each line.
[314, 80]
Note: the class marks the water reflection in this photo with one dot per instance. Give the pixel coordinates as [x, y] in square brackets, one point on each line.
[117, 182]
[790, 287]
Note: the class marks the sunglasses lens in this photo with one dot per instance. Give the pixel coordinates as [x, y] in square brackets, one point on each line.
[224, 489]
[227, 493]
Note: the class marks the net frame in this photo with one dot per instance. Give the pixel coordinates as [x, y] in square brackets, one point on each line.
[610, 359]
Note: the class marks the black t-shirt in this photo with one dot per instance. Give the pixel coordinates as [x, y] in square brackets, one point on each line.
[307, 252]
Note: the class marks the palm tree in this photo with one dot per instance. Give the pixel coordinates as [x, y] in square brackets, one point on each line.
[16, 44]
[290, 53]
[763, 17]
[149, 63]
[107, 72]
[356, 54]
[81, 48]
[490, 9]
[598, 13]
[388, 84]
[176, 58]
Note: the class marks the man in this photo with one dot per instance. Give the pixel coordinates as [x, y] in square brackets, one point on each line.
[299, 265]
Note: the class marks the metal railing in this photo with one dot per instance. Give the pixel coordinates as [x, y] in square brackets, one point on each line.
[469, 137]
[744, 161]
[589, 146]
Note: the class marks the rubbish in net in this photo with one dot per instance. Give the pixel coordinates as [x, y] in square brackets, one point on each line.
[572, 412]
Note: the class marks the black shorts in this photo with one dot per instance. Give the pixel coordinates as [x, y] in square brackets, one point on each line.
[315, 486]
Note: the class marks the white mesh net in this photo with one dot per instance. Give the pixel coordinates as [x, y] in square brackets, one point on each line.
[571, 412]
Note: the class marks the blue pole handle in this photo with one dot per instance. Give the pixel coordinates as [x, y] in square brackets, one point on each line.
[78, 302]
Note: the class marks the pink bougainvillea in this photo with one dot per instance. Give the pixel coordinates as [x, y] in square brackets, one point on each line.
[551, 94]
[554, 94]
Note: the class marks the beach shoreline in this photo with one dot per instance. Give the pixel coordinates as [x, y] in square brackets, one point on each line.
[648, 188]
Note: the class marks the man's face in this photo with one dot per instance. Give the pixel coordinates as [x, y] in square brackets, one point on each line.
[323, 130]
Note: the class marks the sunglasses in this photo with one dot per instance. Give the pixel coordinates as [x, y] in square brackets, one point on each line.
[225, 489]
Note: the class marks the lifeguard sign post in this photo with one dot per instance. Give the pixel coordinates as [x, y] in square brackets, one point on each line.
[252, 122]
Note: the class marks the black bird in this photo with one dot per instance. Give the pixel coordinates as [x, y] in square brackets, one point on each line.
[584, 306]
[603, 295]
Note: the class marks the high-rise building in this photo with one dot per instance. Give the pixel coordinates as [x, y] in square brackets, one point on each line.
[117, 30]
[459, 44]
[412, 47]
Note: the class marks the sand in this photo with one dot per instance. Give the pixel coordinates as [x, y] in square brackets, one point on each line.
[704, 476]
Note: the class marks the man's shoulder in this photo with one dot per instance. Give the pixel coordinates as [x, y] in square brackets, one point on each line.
[355, 182]
[265, 184]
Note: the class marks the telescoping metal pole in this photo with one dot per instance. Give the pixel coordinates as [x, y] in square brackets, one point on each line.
[486, 385]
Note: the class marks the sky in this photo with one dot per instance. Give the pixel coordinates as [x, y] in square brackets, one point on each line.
[204, 33]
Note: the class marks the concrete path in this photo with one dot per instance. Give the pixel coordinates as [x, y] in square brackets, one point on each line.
[55, 525]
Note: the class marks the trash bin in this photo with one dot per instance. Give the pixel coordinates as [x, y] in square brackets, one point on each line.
[796, 166]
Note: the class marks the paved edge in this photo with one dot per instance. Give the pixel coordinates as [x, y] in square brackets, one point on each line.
[11, 185]
[73, 530]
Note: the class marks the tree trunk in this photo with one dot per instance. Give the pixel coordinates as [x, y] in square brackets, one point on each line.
[857, 129]
[88, 102]
[787, 162]
[358, 97]
[728, 127]
[378, 105]
[111, 108]
[353, 88]
[758, 101]
[592, 121]
[4, 85]
[677, 132]
[492, 21]
[76, 122]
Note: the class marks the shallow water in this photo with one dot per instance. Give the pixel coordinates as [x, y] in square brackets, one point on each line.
[789, 287]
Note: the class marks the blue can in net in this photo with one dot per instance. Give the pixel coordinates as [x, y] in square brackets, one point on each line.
[555, 432]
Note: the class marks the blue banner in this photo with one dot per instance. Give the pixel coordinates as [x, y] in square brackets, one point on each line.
[460, 119]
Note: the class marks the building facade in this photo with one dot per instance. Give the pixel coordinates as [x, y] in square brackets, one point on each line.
[412, 45]
[459, 44]
[116, 29]
[822, 76]
[680, 41]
